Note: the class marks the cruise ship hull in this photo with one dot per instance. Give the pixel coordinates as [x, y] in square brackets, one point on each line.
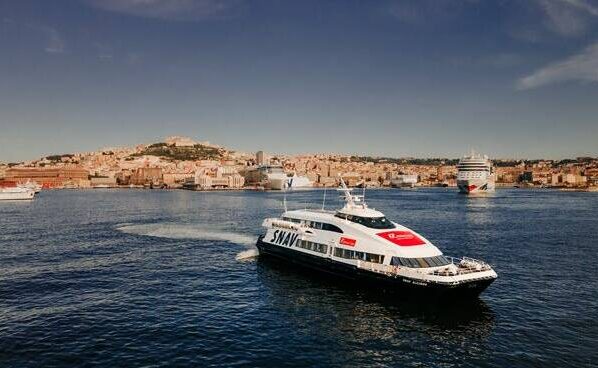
[285, 182]
[402, 287]
[475, 186]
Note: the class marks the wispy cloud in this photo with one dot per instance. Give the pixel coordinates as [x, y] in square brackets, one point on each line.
[581, 67]
[421, 12]
[178, 10]
[53, 42]
[569, 17]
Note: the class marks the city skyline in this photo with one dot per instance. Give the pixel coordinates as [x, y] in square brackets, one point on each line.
[511, 79]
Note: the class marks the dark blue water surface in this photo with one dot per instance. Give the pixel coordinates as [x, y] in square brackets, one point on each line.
[151, 278]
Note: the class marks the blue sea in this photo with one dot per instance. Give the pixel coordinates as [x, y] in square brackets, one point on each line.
[142, 278]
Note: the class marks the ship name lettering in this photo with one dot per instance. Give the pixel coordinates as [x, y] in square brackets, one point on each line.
[284, 238]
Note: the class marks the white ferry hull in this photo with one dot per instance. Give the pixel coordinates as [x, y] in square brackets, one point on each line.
[16, 195]
[474, 186]
[403, 287]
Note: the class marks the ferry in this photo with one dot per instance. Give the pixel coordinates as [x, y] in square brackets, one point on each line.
[361, 245]
[16, 193]
[475, 174]
[31, 185]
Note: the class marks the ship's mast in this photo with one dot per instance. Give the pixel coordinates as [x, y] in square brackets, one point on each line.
[352, 201]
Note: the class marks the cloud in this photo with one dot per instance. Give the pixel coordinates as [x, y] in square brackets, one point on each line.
[580, 67]
[55, 43]
[421, 12]
[177, 10]
[568, 17]
[581, 4]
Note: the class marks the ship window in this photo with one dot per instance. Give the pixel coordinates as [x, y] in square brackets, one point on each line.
[351, 254]
[330, 227]
[420, 262]
[375, 258]
[433, 261]
[315, 247]
[321, 226]
[371, 222]
[291, 219]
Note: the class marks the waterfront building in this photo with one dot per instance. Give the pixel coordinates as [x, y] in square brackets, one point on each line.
[147, 176]
[218, 178]
[102, 181]
[54, 177]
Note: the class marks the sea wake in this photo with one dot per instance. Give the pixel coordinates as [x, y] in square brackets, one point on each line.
[178, 231]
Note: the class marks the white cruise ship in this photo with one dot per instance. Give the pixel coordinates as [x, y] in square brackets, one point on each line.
[361, 245]
[16, 193]
[289, 182]
[475, 174]
[276, 179]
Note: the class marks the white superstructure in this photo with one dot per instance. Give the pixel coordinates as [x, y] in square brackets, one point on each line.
[289, 182]
[16, 193]
[359, 242]
[475, 174]
[404, 181]
[275, 178]
[31, 185]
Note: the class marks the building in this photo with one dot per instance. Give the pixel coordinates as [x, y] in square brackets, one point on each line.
[151, 176]
[102, 181]
[220, 177]
[55, 177]
[260, 158]
[180, 141]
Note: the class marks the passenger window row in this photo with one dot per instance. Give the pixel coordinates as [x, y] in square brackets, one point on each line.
[316, 225]
[420, 262]
[316, 247]
[351, 254]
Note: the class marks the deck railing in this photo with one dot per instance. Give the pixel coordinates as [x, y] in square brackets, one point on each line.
[463, 266]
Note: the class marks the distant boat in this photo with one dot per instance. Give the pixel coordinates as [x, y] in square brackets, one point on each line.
[16, 193]
[404, 181]
[475, 174]
[31, 185]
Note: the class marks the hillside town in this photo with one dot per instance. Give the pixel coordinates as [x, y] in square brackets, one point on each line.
[181, 162]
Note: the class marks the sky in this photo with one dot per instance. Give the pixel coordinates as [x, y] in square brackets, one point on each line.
[397, 78]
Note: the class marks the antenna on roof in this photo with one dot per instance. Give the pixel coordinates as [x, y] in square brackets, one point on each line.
[324, 200]
[284, 200]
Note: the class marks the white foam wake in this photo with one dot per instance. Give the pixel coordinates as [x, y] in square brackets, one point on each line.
[178, 231]
[247, 255]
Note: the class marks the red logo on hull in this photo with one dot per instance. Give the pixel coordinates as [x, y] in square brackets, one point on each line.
[402, 238]
[348, 241]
